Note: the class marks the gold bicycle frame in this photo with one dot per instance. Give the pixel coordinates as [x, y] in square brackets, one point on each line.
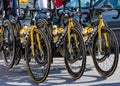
[70, 26]
[32, 40]
[100, 26]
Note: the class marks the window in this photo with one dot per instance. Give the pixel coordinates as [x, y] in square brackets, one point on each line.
[118, 4]
[86, 3]
[113, 3]
[73, 3]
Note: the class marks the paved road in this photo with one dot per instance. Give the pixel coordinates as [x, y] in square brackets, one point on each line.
[58, 76]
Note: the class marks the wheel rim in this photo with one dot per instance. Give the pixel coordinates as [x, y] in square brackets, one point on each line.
[38, 66]
[75, 62]
[8, 44]
[106, 61]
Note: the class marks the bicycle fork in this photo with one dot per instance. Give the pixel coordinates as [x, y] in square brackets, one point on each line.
[70, 25]
[32, 41]
[101, 24]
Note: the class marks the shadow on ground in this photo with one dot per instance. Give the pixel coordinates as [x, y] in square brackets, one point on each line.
[108, 84]
[58, 75]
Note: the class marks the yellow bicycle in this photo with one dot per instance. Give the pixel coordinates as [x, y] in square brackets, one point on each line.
[27, 41]
[101, 42]
[65, 38]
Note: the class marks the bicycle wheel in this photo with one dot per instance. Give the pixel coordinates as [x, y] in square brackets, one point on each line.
[43, 25]
[18, 53]
[76, 60]
[107, 60]
[77, 24]
[38, 66]
[8, 44]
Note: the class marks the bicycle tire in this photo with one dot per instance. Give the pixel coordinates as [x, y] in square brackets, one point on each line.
[106, 54]
[82, 52]
[43, 24]
[8, 44]
[18, 51]
[29, 59]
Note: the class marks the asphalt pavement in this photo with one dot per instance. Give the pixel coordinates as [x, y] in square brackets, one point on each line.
[58, 76]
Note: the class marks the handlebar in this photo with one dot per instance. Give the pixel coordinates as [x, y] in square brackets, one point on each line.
[68, 13]
[96, 11]
[21, 17]
[43, 10]
[46, 11]
[109, 9]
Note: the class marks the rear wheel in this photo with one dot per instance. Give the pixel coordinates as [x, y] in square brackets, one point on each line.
[43, 25]
[18, 53]
[38, 66]
[8, 44]
[107, 60]
[76, 60]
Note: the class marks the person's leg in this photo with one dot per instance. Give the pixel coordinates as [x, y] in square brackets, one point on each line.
[0, 4]
[15, 8]
[40, 4]
[45, 3]
[5, 3]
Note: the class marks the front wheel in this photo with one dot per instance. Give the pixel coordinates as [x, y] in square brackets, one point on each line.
[75, 60]
[8, 44]
[107, 60]
[38, 66]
